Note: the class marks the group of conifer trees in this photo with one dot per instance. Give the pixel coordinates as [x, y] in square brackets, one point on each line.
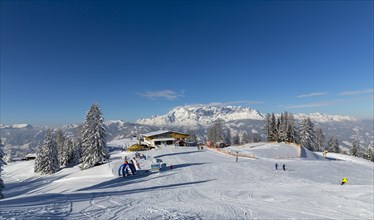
[284, 129]
[217, 134]
[88, 148]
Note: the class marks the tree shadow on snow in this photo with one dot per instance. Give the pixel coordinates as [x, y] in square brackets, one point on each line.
[75, 197]
[28, 185]
[178, 166]
[124, 181]
[44, 200]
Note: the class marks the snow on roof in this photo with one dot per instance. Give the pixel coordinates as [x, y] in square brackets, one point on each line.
[154, 133]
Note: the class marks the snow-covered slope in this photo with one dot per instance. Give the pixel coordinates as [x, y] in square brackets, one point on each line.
[193, 115]
[202, 185]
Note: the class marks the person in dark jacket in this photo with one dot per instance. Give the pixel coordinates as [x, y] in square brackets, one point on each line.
[276, 166]
[284, 167]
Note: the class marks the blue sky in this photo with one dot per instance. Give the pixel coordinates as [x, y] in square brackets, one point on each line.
[141, 58]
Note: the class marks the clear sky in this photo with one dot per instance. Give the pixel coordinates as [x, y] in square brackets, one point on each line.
[141, 58]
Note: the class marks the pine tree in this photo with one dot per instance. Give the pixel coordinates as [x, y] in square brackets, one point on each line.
[236, 140]
[292, 135]
[245, 138]
[60, 142]
[283, 127]
[77, 152]
[39, 159]
[354, 150]
[369, 154]
[320, 139]
[67, 156]
[94, 148]
[1, 169]
[256, 138]
[227, 137]
[273, 128]
[333, 145]
[192, 136]
[215, 132]
[278, 131]
[47, 159]
[307, 137]
[267, 127]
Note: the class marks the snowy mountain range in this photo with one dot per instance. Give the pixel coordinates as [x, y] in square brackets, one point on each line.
[194, 115]
[206, 115]
[24, 138]
[16, 126]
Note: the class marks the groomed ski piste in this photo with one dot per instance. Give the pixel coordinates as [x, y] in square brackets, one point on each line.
[203, 184]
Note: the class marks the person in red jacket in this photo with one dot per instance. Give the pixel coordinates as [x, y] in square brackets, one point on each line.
[171, 167]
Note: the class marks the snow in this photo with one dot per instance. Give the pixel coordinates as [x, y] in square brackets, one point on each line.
[193, 115]
[202, 185]
[16, 126]
[318, 117]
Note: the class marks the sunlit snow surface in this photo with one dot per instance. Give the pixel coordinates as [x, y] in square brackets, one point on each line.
[202, 185]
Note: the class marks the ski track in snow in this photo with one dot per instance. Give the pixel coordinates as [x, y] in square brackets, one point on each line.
[202, 185]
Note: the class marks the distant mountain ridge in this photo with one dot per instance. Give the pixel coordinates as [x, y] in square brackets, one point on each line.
[206, 115]
[16, 126]
[193, 115]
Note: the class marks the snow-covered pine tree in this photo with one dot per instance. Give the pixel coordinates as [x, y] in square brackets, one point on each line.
[273, 128]
[68, 153]
[38, 164]
[47, 157]
[77, 152]
[278, 133]
[256, 137]
[94, 148]
[215, 132]
[354, 150]
[307, 137]
[333, 145]
[236, 139]
[245, 138]
[61, 151]
[292, 135]
[320, 139]
[369, 154]
[282, 132]
[1, 169]
[267, 127]
[227, 137]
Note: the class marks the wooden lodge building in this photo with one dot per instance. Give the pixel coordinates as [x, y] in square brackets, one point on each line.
[165, 138]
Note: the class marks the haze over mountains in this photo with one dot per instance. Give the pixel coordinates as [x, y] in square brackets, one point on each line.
[24, 138]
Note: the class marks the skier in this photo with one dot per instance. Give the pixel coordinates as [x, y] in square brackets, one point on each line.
[344, 180]
[171, 167]
[236, 158]
[284, 167]
[276, 166]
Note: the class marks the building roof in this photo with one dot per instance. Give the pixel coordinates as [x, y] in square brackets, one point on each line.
[155, 133]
